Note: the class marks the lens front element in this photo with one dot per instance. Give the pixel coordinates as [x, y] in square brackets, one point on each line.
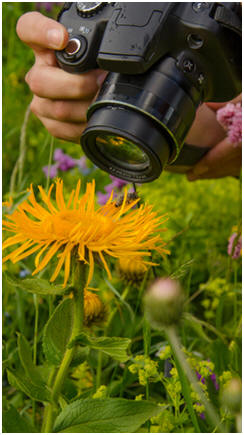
[122, 151]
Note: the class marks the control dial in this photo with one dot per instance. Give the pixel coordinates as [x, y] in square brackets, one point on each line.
[87, 9]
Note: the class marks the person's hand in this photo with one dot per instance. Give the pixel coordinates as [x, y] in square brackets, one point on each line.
[223, 159]
[60, 99]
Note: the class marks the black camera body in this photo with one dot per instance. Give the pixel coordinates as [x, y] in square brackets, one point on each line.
[164, 59]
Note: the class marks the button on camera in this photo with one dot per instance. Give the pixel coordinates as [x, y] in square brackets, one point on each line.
[76, 47]
[188, 66]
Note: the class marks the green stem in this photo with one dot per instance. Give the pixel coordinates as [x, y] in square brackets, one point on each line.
[46, 410]
[147, 345]
[99, 369]
[18, 168]
[22, 151]
[78, 285]
[49, 162]
[179, 355]
[123, 297]
[35, 298]
[36, 304]
[100, 355]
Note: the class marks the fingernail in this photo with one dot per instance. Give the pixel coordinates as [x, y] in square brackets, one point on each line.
[101, 78]
[55, 38]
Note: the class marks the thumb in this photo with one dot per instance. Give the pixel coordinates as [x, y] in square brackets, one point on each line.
[40, 32]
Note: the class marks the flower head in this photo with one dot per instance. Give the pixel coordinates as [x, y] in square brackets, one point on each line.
[230, 117]
[75, 228]
[235, 246]
[163, 302]
[65, 162]
[94, 309]
[51, 170]
[132, 271]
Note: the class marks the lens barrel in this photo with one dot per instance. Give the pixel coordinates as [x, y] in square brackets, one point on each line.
[151, 111]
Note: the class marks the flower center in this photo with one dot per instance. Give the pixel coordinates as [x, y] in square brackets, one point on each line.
[60, 224]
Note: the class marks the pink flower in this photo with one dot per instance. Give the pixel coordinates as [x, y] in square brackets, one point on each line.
[236, 253]
[230, 117]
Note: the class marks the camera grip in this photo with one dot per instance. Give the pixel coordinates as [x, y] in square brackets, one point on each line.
[190, 155]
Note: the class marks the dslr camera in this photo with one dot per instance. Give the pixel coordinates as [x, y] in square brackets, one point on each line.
[164, 60]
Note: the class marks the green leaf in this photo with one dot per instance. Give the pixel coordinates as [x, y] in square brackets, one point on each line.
[14, 423]
[57, 332]
[189, 317]
[115, 347]
[198, 327]
[105, 416]
[22, 382]
[25, 355]
[37, 285]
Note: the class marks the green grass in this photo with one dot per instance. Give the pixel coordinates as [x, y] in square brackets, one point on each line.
[201, 215]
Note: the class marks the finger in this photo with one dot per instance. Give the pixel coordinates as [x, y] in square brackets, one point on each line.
[54, 83]
[40, 32]
[205, 120]
[223, 159]
[60, 110]
[230, 168]
[217, 106]
[70, 132]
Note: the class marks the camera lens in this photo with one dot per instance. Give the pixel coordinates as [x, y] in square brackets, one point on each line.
[138, 123]
[121, 151]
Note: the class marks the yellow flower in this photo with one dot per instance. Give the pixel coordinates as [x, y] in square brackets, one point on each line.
[94, 310]
[8, 203]
[133, 270]
[82, 376]
[76, 228]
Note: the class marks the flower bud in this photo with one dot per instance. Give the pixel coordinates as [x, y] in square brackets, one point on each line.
[232, 394]
[163, 302]
[132, 270]
[94, 309]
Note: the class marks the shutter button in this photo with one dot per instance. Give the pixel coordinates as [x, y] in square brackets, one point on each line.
[76, 47]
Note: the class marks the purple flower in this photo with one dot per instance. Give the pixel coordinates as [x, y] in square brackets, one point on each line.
[214, 380]
[212, 377]
[65, 162]
[200, 377]
[48, 6]
[230, 117]
[82, 165]
[52, 170]
[109, 187]
[23, 273]
[117, 182]
[102, 198]
[234, 247]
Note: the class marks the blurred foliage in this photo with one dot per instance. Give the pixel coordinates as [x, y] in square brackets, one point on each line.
[201, 217]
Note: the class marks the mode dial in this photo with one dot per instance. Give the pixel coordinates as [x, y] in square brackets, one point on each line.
[87, 9]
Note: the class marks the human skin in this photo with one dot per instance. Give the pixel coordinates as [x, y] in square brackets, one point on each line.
[60, 100]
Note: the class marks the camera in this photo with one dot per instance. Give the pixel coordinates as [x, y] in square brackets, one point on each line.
[164, 60]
